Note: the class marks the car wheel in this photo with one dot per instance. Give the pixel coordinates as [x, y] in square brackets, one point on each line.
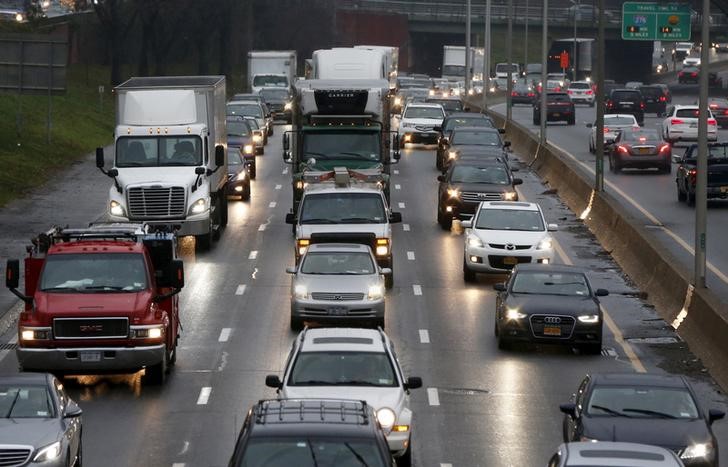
[615, 164]
[79, 454]
[536, 121]
[681, 195]
[592, 349]
[296, 324]
[389, 280]
[444, 220]
[495, 325]
[468, 274]
[591, 147]
[246, 193]
[591, 104]
[666, 168]
[405, 460]
[503, 343]
[438, 162]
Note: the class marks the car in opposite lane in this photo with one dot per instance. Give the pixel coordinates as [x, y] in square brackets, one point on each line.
[656, 409]
[609, 453]
[681, 124]
[613, 124]
[418, 122]
[640, 149]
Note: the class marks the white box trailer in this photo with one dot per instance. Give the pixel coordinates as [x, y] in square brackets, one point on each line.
[271, 68]
[349, 63]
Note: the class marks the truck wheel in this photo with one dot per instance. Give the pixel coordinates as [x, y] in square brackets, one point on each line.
[157, 374]
[444, 220]
[203, 242]
[503, 344]
[405, 460]
[296, 324]
[223, 211]
[681, 196]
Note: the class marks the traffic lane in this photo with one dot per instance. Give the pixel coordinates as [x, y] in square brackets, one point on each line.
[654, 193]
[462, 355]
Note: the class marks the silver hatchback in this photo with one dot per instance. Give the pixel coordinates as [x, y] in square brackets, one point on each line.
[337, 283]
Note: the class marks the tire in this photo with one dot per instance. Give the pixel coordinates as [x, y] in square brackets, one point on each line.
[438, 161]
[536, 121]
[591, 104]
[615, 165]
[389, 280]
[245, 196]
[468, 274]
[591, 147]
[203, 242]
[681, 195]
[444, 221]
[405, 460]
[666, 168]
[591, 349]
[402, 144]
[223, 211]
[79, 455]
[157, 374]
[495, 326]
[503, 344]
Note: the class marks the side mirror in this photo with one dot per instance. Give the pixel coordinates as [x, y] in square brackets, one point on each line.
[466, 109]
[12, 274]
[499, 287]
[396, 156]
[502, 131]
[569, 409]
[589, 125]
[553, 227]
[441, 178]
[273, 381]
[286, 142]
[113, 172]
[219, 155]
[506, 144]
[72, 410]
[676, 158]
[291, 270]
[601, 292]
[385, 271]
[466, 224]
[100, 158]
[714, 414]
[517, 181]
[176, 274]
[200, 170]
[395, 218]
[413, 382]
[290, 218]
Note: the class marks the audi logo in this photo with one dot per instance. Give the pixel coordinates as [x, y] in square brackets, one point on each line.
[552, 320]
[510, 246]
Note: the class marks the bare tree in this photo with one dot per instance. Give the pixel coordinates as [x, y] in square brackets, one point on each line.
[116, 18]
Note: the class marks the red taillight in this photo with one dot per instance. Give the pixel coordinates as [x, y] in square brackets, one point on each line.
[623, 149]
[725, 112]
[682, 73]
[609, 104]
[514, 93]
[665, 148]
[570, 92]
[530, 94]
[663, 98]
[676, 121]
[712, 121]
[642, 105]
[694, 75]
[713, 106]
[692, 173]
[589, 92]
[606, 130]
[642, 139]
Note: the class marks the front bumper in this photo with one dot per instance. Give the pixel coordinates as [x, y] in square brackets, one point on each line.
[501, 261]
[337, 311]
[199, 224]
[398, 442]
[530, 329]
[414, 136]
[111, 359]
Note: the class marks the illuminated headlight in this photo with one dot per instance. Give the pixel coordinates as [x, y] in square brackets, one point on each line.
[452, 154]
[453, 193]
[699, 450]
[456, 92]
[513, 314]
[34, 334]
[588, 79]
[432, 92]
[248, 149]
[382, 247]
[146, 332]
[386, 418]
[116, 209]
[561, 83]
[48, 453]
[300, 291]
[475, 242]
[397, 101]
[375, 292]
[199, 206]
[471, 92]
[510, 196]
[589, 319]
[300, 185]
[492, 89]
[288, 106]
[19, 17]
[257, 138]
[238, 189]
[545, 244]
[302, 244]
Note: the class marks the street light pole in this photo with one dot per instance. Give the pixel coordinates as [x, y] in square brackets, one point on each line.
[544, 57]
[599, 143]
[573, 52]
[467, 47]
[701, 185]
[525, 39]
[509, 54]
[486, 56]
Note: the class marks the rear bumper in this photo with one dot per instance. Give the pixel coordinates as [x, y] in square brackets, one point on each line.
[656, 160]
[111, 359]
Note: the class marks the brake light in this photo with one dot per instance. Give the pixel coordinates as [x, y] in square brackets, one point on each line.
[694, 75]
[642, 139]
[642, 105]
[530, 94]
[589, 92]
[609, 104]
[570, 92]
[712, 121]
[713, 106]
[606, 130]
[662, 99]
[676, 121]
[514, 93]
[725, 112]
[665, 148]
[623, 149]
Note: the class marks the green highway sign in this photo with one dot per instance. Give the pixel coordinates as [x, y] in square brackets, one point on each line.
[645, 21]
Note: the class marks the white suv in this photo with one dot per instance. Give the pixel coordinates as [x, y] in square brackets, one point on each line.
[581, 91]
[503, 234]
[418, 123]
[681, 124]
[352, 363]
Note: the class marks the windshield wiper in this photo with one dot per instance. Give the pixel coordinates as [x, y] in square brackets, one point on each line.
[650, 412]
[12, 406]
[610, 411]
[318, 220]
[313, 382]
[355, 382]
[357, 455]
[60, 289]
[366, 220]
[313, 453]
[105, 287]
[356, 155]
[316, 154]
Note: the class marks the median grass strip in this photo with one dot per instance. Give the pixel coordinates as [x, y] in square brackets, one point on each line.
[26, 159]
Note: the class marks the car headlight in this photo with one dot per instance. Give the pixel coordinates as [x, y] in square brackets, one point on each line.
[589, 319]
[48, 453]
[116, 209]
[471, 92]
[386, 417]
[397, 101]
[248, 149]
[301, 245]
[288, 106]
[257, 138]
[456, 92]
[544, 244]
[382, 248]
[513, 314]
[510, 196]
[475, 242]
[452, 154]
[300, 291]
[453, 192]
[34, 334]
[586, 439]
[375, 292]
[698, 450]
[199, 206]
[432, 92]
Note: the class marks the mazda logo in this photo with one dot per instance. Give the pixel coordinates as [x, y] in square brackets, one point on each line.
[552, 320]
[510, 246]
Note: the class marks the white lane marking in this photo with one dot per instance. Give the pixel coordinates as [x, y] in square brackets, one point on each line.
[185, 448]
[204, 395]
[424, 336]
[182, 464]
[224, 334]
[240, 290]
[406, 227]
[261, 227]
[272, 204]
[397, 186]
[411, 255]
[445, 465]
[253, 254]
[14, 339]
[401, 205]
[396, 172]
[278, 187]
[432, 397]
[285, 171]
[417, 289]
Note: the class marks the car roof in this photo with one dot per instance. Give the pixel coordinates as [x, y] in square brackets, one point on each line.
[514, 205]
[608, 453]
[477, 129]
[25, 378]
[475, 162]
[638, 379]
[606, 116]
[686, 106]
[425, 104]
[468, 115]
[244, 102]
[329, 247]
[342, 339]
[322, 188]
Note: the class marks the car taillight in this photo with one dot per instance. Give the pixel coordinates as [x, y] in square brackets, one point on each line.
[570, 92]
[676, 121]
[694, 75]
[665, 148]
[713, 106]
[606, 130]
[663, 98]
[530, 94]
[712, 121]
[609, 104]
[623, 149]
[725, 112]
[514, 93]
[642, 105]
[590, 92]
[682, 73]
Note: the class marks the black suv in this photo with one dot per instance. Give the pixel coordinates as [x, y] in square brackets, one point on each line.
[626, 101]
[452, 121]
[558, 107]
[717, 172]
[311, 432]
[655, 99]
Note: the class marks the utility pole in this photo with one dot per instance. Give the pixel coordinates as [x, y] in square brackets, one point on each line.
[486, 55]
[573, 52]
[509, 54]
[701, 185]
[525, 38]
[544, 57]
[599, 157]
[467, 48]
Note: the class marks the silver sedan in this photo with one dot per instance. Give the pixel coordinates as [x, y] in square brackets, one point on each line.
[336, 283]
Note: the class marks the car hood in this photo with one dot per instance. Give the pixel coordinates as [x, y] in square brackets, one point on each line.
[37, 432]
[422, 121]
[668, 433]
[476, 149]
[394, 398]
[380, 230]
[238, 141]
[482, 187]
[338, 283]
[93, 304]
[558, 304]
[510, 236]
[164, 176]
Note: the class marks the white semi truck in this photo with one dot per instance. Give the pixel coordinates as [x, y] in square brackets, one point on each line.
[271, 69]
[169, 160]
[349, 63]
[391, 58]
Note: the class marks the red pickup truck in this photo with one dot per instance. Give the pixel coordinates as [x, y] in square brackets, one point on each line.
[102, 299]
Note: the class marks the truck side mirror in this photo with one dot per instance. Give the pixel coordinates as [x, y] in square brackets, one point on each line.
[177, 274]
[273, 381]
[100, 158]
[414, 382]
[12, 274]
[506, 144]
[290, 218]
[395, 217]
[396, 155]
[517, 181]
[219, 155]
[502, 131]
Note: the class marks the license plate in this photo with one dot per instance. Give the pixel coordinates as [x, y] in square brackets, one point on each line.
[511, 260]
[551, 331]
[337, 310]
[724, 189]
[557, 114]
[644, 150]
[693, 125]
[91, 356]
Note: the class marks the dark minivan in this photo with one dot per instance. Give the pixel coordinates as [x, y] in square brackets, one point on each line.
[655, 99]
[626, 101]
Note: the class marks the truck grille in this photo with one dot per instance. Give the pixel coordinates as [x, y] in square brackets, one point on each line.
[91, 328]
[344, 297]
[474, 197]
[13, 455]
[156, 202]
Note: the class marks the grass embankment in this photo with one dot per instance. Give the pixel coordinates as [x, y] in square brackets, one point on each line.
[26, 159]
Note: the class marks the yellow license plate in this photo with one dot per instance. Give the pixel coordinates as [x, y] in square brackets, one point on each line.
[644, 150]
[551, 331]
[510, 260]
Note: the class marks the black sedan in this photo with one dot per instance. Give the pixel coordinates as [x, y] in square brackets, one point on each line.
[558, 107]
[687, 172]
[719, 108]
[467, 183]
[661, 410]
[689, 74]
[640, 149]
[451, 122]
[40, 422]
[240, 136]
[546, 303]
[522, 94]
[238, 174]
[475, 143]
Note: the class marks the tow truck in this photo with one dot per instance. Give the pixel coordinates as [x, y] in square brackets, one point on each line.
[346, 206]
[102, 299]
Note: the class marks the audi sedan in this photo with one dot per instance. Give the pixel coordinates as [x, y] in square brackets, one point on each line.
[640, 149]
[550, 304]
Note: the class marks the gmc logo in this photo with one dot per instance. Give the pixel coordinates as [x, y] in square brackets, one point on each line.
[91, 328]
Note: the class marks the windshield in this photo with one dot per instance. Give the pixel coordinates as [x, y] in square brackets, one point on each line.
[451, 123]
[274, 95]
[337, 263]
[253, 110]
[423, 112]
[494, 174]
[311, 451]
[341, 208]
[690, 113]
[270, 80]
[510, 219]
[25, 401]
[479, 138]
[544, 283]
[640, 136]
[618, 121]
[236, 128]
[94, 272]
[234, 157]
[718, 152]
[453, 70]
[360, 145]
[159, 151]
[642, 402]
[579, 86]
[504, 68]
[339, 368]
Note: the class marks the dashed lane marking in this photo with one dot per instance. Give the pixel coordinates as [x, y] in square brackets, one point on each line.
[204, 396]
[285, 171]
[272, 204]
[397, 186]
[433, 397]
[182, 464]
[240, 290]
[253, 254]
[445, 465]
[417, 289]
[396, 172]
[224, 335]
[261, 228]
[424, 336]
[406, 227]
[278, 187]
[401, 205]
[411, 255]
